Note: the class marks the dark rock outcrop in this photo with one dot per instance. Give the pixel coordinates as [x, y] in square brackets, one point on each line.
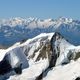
[6, 67]
[55, 47]
[78, 78]
[53, 52]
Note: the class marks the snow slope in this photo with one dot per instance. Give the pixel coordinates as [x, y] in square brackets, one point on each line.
[67, 72]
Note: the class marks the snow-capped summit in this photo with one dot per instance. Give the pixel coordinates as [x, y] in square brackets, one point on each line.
[66, 20]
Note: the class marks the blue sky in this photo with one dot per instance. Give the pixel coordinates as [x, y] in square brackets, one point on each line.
[40, 8]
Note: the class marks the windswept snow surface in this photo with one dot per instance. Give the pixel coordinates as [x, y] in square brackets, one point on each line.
[32, 72]
[67, 72]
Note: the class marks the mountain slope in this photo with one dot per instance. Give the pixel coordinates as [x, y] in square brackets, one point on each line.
[39, 56]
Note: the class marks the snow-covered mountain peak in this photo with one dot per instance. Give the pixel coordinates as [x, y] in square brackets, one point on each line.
[64, 20]
[41, 54]
[48, 20]
[12, 21]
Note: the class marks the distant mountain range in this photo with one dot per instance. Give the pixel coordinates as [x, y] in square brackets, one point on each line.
[18, 29]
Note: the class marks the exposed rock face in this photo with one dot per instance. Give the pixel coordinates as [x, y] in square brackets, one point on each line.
[46, 48]
[55, 48]
[45, 51]
[4, 67]
[52, 48]
[39, 48]
[78, 78]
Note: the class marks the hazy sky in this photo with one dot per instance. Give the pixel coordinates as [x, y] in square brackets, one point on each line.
[40, 8]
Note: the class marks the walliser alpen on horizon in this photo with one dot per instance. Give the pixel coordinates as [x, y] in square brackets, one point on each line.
[17, 29]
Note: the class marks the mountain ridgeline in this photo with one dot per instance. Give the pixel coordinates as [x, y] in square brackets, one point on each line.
[18, 29]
